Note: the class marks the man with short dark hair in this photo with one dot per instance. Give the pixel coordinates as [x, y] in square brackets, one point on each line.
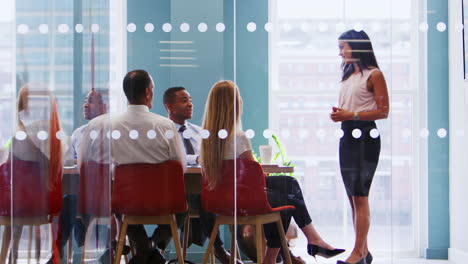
[179, 107]
[136, 136]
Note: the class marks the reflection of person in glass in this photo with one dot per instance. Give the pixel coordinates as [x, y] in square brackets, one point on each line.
[363, 99]
[36, 162]
[221, 113]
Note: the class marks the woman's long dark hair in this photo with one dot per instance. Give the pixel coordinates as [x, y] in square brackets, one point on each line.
[361, 50]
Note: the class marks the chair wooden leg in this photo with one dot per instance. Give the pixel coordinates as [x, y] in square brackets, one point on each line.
[70, 250]
[186, 235]
[121, 242]
[212, 258]
[233, 244]
[175, 237]
[88, 235]
[238, 252]
[284, 243]
[38, 242]
[259, 242]
[17, 231]
[30, 234]
[5, 244]
[209, 248]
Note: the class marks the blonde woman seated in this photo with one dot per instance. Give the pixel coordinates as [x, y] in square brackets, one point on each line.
[219, 114]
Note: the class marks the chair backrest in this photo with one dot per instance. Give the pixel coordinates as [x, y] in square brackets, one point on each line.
[94, 191]
[149, 189]
[250, 190]
[27, 191]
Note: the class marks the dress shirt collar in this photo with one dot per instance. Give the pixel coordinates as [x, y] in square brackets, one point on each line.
[138, 108]
[179, 125]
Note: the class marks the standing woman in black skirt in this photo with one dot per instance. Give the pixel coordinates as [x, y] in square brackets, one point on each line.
[363, 99]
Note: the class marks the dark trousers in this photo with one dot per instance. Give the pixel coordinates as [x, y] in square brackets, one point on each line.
[162, 234]
[281, 191]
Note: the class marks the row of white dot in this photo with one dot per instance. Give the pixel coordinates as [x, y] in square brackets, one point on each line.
[220, 27]
[151, 134]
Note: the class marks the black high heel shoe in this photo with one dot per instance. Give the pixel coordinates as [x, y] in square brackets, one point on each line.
[323, 252]
[369, 258]
[361, 261]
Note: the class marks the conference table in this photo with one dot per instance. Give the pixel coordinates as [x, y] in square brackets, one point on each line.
[192, 177]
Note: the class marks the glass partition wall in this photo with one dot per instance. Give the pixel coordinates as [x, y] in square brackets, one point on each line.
[72, 136]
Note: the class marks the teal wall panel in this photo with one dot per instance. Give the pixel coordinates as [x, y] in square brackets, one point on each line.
[438, 117]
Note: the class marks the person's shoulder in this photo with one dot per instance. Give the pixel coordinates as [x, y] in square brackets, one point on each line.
[195, 127]
[100, 118]
[375, 73]
[240, 135]
[79, 130]
[161, 120]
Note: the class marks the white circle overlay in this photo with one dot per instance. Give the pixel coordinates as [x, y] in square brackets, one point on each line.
[167, 27]
[441, 26]
[79, 28]
[441, 132]
[151, 134]
[222, 134]
[250, 133]
[42, 135]
[43, 28]
[94, 28]
[133, 134]
[60, 135]
[424, 133]
[251, 27]
[63, 28]
[285, 133]
[131, 27]
[202, 27]
[93, 134]
[423, 27]
[357, 133]
[220, 27]
[204, 134]
[187, 134]
[169, 134]
[339, 133]
[374, 133]
[184, 27]
[23, 28]
[267, 133]
[20, 135]
[115, 134]
[149, 27]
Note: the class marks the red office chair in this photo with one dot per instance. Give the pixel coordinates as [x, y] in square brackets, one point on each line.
[34, 204]
[94, 195]
[252, 203]
[149, 194]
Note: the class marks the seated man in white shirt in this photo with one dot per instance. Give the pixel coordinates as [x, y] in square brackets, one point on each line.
[179, 107]
[138, 87]
[141, 140]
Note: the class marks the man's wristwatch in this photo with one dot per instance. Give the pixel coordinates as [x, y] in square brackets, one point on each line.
[356, 116]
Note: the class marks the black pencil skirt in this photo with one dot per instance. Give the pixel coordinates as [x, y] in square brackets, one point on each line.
[359, 156]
